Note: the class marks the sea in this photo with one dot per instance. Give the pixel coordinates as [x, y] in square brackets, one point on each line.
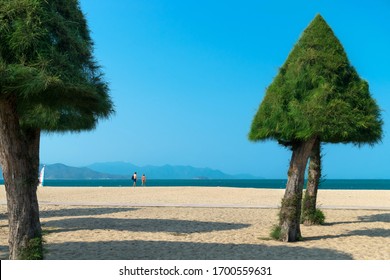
[330, 184]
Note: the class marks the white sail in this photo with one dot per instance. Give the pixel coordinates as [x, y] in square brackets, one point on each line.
[41, 176]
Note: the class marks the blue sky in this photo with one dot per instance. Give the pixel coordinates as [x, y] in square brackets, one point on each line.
[188, 76]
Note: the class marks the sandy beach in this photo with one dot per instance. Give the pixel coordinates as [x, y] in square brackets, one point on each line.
[202, 223]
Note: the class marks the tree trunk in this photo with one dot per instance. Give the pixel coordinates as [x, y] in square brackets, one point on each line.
[314, 175]
[290, 211]
[19, 156]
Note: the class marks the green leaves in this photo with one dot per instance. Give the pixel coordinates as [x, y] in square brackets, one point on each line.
[317, 93]
[46, 62]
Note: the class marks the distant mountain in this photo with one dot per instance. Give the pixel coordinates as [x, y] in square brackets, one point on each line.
[115, 168]
[164, 172]
[62, 171]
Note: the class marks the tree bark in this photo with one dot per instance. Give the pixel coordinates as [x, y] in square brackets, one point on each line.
[290, 211]
[314, 175]
[19, 156]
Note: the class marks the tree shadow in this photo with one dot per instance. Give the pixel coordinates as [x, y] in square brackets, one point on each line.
[375, 232]
[141, 225]
[74, 212]
[384, 217]
[167, 250]
[341, 223]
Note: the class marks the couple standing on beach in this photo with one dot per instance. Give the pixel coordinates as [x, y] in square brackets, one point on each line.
[134, 178]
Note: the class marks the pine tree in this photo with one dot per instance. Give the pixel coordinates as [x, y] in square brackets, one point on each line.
[49, 82]
[316, 96]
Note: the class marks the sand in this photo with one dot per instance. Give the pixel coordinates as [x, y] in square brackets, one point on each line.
[202, 223]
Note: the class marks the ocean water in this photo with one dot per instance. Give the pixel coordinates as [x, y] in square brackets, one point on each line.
[262, 184]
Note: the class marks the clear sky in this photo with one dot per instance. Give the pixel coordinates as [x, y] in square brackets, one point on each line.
[188, 76]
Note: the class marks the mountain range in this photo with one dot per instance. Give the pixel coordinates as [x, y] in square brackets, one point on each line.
[123, 170]
[165, 171]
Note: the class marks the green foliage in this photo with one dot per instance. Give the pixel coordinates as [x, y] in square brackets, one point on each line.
[47, 66]
[310, 214]
[33, 250]
[313, 218]
[318, 218]
[318, 93]
[276, 232]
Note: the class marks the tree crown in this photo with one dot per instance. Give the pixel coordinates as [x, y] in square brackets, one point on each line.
[47, 65]
[317, 93]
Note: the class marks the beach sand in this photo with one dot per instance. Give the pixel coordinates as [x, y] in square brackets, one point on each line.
[202, 223]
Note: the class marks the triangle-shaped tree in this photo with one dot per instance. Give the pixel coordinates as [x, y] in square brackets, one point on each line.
[316, 96]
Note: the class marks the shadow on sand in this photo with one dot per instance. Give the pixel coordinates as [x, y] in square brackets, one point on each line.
[375, 232]
[383, 217]
[164, 250]
[88, 211]
[141, 225]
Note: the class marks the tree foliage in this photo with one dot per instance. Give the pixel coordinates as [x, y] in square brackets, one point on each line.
[318, 93]
[47, 65]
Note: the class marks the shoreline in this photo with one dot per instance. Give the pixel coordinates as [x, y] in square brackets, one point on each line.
[328, 184]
